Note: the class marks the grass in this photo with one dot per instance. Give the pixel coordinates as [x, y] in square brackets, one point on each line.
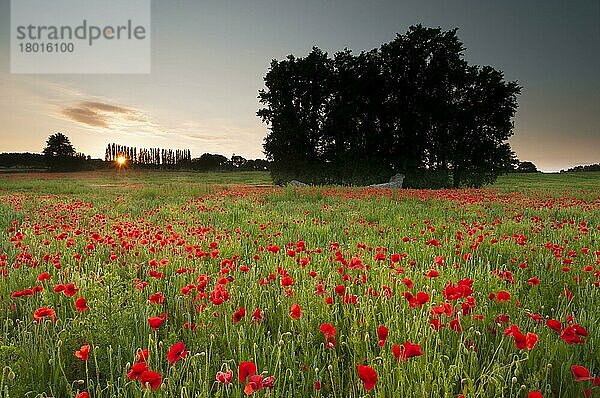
[549, 182]
[117, 228]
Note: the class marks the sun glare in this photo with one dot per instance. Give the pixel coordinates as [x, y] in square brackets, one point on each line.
[121, 160]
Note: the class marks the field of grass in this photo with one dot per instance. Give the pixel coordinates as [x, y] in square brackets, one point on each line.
[322, 292]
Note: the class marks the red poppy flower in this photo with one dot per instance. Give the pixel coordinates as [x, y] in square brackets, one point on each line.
[219, 295]
[83, 394]
[521, 341]
[502, 296]
[295, 311]
[151, 378]
[455, 325]
[379, 257]
[408, 350]
[257, 316]
[419, 300]
[444, 308]
[44, 277]
[461, 289]
[43, 312]
[432, 274]
[535, 394]
[397, 351]
[368, 376]
[502, 318]
[554, 324]
[81, 304]
[176, 352]
[530, 340]
[70, 290]
[136, 370]
[155, 322]
[573, 334]
[224, 377]
[382, 334]
[246, 369]
[142, 355]
[327, 329]
[330, 342]
[422, 298]
[409, 284]
[21, 293]
[157, 298]
[83, 353]
[255, 383]
[239, 314]
[580, 373]
[436, 324]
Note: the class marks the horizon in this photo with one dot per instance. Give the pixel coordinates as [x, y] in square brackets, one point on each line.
[208, 62]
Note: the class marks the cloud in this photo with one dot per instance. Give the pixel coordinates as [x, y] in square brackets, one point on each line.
[103, 115]
[100, 106]
[85, 116]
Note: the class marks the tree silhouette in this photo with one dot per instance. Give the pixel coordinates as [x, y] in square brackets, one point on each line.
[527, 167]
[209, 161]
[59, 153]
[413, 106]
[58, 144]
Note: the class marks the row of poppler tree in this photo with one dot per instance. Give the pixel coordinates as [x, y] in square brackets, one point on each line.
[153, 157]
[180, 159]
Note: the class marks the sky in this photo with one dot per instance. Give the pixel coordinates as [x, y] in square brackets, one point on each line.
[208, 60]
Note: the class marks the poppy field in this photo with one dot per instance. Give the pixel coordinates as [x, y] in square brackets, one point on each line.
[165, 286]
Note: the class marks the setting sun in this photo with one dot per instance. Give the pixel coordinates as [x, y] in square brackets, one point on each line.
[121, 160]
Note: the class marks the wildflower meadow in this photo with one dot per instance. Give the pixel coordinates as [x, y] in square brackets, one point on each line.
[168, 285]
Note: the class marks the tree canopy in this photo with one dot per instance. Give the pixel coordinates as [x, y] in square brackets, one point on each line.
[414, 105]
[57, 145]
[59, 153]
[527, 167]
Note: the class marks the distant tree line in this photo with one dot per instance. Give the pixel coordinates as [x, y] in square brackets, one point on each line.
[24, 160]
[181, 159]
[214, 162]
[589, 167]
[60, 155]
[412, 106]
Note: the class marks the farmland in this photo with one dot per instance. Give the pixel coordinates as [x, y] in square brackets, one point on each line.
[195, 285]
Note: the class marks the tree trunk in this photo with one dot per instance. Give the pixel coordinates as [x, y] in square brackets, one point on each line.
[456, 176]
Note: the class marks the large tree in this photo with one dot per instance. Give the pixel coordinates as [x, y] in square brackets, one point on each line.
[59, 153]
[414, 105]
[209, 161]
